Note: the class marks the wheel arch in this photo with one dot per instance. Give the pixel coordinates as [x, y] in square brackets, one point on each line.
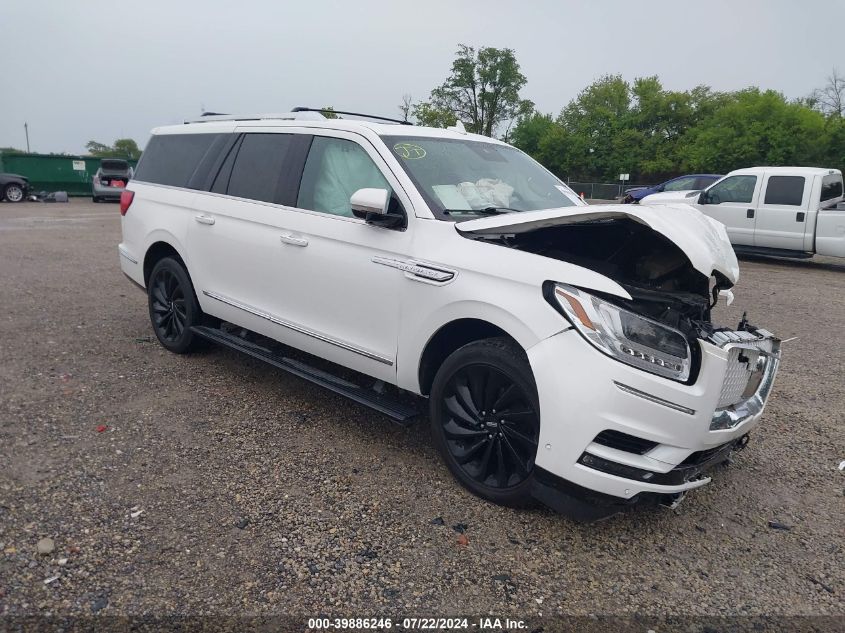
[156, 252]
[450, 337]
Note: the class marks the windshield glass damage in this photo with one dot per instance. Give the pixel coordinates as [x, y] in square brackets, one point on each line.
[461, 179]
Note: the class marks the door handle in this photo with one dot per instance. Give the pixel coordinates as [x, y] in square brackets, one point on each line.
[287, 238]
[799, 217]
[750, 213]
[204, 219]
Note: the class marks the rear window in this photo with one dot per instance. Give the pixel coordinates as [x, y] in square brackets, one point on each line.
[831, 187]
[170, 159]
[787, 190]
[259, 166]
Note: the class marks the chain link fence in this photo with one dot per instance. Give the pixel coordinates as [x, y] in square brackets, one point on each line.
[601, 190]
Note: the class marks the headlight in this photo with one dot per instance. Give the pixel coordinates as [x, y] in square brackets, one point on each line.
[626, 336]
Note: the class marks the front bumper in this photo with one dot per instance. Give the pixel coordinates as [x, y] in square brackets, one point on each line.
[682, 430]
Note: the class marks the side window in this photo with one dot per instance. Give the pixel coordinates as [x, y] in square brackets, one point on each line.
[335, 169]
[259, 166]
[171, 159]
[681, 184]
[704, 182]
[831, 187]
[733, 189]
[785, 190]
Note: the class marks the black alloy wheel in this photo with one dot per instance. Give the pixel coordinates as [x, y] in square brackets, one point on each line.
[485, 418]
[173, 306]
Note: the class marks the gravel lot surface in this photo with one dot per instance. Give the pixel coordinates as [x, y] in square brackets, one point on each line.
[211, 484]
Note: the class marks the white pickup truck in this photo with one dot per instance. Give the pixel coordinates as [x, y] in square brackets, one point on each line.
[785, 211]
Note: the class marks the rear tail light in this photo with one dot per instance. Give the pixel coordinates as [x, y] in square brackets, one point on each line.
[125, 201]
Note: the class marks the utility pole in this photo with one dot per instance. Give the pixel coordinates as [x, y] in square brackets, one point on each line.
[26, 131]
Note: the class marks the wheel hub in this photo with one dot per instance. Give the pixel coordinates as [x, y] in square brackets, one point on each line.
[491, 426]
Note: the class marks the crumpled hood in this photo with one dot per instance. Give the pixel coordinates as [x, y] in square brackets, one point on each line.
[704, 240]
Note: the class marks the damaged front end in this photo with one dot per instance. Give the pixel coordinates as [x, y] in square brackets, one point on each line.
[673, 268]
[628, 436]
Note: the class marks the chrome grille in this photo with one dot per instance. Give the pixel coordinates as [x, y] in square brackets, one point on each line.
[736, 379]
[742, 365]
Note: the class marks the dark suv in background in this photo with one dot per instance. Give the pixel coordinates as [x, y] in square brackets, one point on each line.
[681, 183]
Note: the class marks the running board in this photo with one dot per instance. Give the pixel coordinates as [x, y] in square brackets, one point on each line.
[398, 411]
[766, 251]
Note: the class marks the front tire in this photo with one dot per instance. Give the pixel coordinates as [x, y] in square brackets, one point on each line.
[13, 193]
[173, 306]
[485, 420]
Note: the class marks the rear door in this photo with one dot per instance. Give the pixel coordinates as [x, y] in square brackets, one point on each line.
[782, 212]
[732, 201]
[234, 232]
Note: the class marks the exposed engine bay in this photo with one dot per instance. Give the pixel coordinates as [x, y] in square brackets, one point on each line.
[656, 273]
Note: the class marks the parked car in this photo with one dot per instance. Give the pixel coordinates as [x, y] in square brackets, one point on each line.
[110, 180]
[784, 211]
[566, 351]
[682, 183]
[13, 187]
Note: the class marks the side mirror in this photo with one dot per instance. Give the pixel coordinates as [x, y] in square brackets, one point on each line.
[702, 198]
[379, 208]
[366, 201]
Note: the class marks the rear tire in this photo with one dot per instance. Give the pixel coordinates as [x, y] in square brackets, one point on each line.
[173, 306]
[485, 420]
[13, 193]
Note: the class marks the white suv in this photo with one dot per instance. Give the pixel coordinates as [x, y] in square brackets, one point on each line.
[566, 350]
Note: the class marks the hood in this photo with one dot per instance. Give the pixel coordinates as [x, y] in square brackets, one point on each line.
[688, 197]
[704, 240]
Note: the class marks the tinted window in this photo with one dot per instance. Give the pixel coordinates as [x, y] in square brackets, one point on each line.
[259, 166]
[170, 159]
[680, 184]
[335, 169]
[706, 181]
[785, 190]
[831, 187]
[733, 189]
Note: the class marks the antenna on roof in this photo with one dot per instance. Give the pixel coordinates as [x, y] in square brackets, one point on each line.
[361, 114]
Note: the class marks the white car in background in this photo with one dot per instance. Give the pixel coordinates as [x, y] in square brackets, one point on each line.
[783, 211]
[565, 352]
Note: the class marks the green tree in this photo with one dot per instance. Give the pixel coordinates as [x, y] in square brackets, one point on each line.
[122, 148]
[482, 91]
[755, 127]
[329, 112]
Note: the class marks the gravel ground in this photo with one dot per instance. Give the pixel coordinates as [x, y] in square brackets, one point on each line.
[210, 484]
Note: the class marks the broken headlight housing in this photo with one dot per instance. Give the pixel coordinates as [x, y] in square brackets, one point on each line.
[625, 335]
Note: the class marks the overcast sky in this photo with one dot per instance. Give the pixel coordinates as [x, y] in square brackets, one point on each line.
[85, 70]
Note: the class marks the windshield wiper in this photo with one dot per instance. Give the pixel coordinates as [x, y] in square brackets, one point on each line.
[484, 211]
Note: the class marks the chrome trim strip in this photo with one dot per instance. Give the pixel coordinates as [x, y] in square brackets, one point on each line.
[416, 269]
[126, 255]
[296, 328]
[655, 399]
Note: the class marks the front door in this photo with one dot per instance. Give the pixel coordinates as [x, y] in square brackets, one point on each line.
[733, 202]
[340, 300]
[782, 213]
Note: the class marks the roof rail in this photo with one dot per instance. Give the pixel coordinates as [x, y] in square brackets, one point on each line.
[361, 114]
[208, 117]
